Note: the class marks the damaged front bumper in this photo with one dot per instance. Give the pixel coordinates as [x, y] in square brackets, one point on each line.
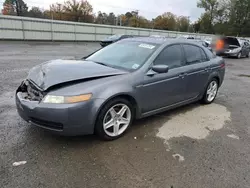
[64, 119]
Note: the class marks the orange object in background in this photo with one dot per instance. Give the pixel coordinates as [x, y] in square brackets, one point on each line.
[219, 44]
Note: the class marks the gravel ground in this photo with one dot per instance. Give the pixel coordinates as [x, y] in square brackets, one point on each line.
[193, 146]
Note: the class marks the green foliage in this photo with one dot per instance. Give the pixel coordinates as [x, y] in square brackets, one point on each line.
[15, 7]
[227, 17]
[183, 24]
[103, 18]
[166, 21]
[36, 12]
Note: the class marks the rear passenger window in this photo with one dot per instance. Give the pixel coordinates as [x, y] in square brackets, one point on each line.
[194, 54]
[203, 55]
[210, 54]
[171, 56]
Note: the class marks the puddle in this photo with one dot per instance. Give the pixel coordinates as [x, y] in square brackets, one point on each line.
[196, 123]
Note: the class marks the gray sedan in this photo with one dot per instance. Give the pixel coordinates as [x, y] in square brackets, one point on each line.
[130, 79]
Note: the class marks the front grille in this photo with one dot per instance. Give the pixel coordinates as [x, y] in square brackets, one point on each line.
[34, 94]
[47, 124]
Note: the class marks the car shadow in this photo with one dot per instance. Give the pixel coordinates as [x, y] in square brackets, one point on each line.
[229, 57]
[140, 127]
[39, 135]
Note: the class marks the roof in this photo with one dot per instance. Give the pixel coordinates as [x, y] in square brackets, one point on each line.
[156, 40]
[162, 40]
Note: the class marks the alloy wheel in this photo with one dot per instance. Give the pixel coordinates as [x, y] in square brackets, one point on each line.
[117, 120]
[212, 91]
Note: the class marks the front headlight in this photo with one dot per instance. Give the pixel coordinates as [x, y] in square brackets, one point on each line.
[66, 99]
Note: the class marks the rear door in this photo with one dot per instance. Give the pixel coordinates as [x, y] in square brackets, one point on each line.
[197, 69]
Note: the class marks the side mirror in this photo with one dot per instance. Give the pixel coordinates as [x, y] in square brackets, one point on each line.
[158, 69]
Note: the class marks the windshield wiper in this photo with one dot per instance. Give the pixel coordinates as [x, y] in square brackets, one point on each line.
[104, 64]
[100, 63]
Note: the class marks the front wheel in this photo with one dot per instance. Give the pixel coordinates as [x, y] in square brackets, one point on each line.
[239, 55]
[211, 92]
[114, 119]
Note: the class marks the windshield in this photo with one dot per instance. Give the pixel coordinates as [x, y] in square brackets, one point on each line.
[129, 55]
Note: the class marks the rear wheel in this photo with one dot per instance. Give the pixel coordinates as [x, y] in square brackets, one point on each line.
[114, 119]
[248, 55]
[211, 91]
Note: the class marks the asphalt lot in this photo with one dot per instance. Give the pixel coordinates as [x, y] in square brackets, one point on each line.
[193, 146]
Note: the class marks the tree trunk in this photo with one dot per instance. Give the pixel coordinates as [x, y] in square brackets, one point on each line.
[17, 8]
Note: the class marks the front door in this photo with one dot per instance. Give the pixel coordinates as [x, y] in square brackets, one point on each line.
[165, 89]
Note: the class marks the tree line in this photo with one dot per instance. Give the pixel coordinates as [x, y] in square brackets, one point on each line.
[82, 11]
[227, 17]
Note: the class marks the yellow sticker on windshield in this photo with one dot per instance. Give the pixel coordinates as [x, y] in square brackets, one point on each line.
[147, 46]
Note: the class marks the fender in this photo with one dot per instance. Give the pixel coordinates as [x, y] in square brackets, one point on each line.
[119, 90]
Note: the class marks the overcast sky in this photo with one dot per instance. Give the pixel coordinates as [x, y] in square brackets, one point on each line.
[147, 8]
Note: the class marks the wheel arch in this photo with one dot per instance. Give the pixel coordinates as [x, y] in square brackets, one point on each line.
[217, 79]
[215, 75]
[126, 96]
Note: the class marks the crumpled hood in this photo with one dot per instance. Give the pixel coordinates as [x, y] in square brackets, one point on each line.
[61, 71]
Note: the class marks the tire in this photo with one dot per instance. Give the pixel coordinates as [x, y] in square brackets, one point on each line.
[209, 98]
[248, 55]
[239, 55]
[113, 119]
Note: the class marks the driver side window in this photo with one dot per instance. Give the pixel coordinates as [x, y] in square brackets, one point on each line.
[171, 56]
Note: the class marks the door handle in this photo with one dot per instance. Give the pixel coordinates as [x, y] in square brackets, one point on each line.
[182, 75]
[207, 69]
